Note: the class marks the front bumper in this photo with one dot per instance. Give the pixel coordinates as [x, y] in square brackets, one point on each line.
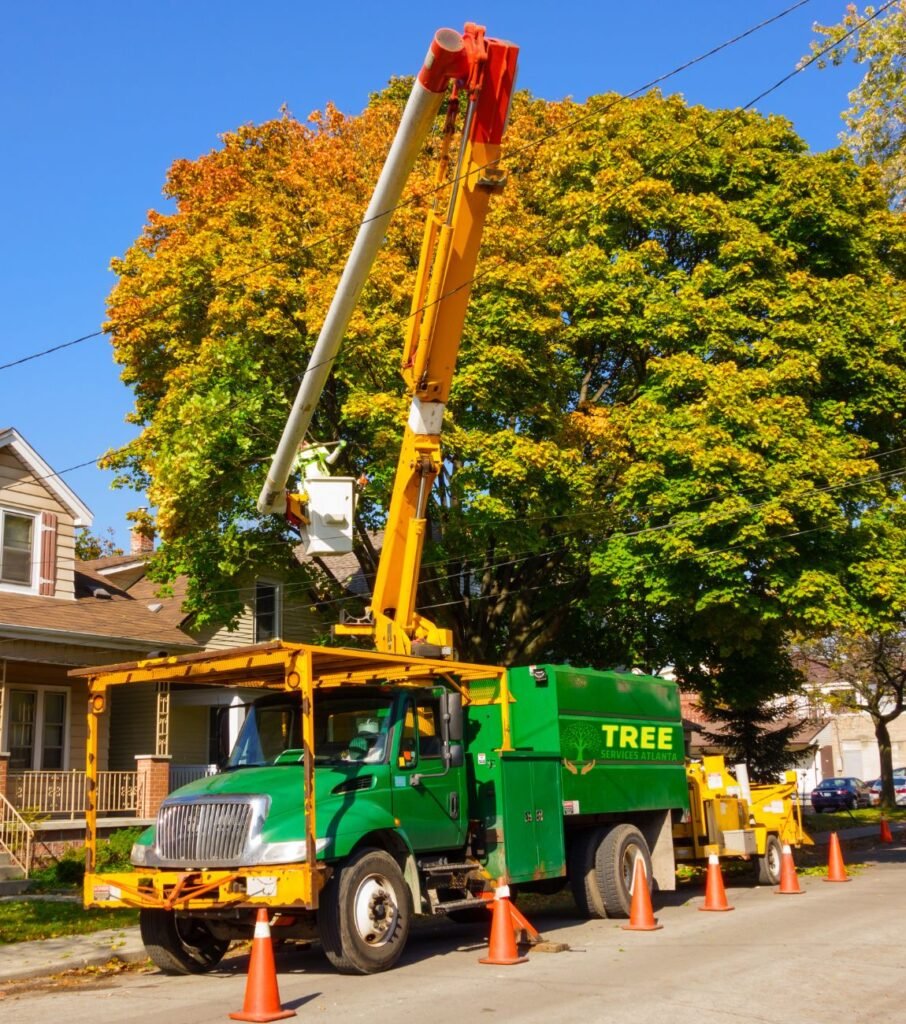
[289, 885]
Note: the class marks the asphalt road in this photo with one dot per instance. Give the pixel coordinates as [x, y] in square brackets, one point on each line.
[834, 954]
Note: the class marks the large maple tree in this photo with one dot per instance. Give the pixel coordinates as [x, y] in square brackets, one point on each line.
[676, 424]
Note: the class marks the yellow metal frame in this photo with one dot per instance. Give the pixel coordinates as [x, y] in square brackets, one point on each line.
[299, 668]
[449, 255]
[774, 810]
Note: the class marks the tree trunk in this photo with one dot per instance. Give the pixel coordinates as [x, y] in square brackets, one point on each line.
[888, 797]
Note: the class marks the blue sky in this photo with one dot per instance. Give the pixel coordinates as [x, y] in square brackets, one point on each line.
[99, 98]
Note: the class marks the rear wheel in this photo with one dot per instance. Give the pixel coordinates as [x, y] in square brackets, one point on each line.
[769, 863]
[365, 914]
[583, 878]
[178, 944]
[615, 861]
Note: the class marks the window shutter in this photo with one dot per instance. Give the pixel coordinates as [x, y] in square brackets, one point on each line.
[48, 563]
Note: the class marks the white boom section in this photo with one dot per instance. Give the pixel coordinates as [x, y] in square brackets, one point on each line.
[418, 117]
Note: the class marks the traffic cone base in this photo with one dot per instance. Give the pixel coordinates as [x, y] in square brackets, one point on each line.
[715, 894]
[789, 880]
[502, 951]
[262, 1000]
[886, 835]
[641, 916]
[836, 871]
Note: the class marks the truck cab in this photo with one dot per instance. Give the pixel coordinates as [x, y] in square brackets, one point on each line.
[387, 760]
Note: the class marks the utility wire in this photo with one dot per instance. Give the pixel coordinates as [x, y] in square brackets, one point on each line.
[422, 194]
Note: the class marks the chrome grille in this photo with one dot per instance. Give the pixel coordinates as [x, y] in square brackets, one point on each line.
[208, 831]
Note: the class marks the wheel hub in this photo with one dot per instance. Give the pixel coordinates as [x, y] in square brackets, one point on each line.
[375, 910]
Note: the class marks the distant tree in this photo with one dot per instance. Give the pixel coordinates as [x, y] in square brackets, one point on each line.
[873, 668]
[89, 545]
[876, 117]
[751, 701]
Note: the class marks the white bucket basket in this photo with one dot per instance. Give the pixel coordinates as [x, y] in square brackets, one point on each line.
[331, 503]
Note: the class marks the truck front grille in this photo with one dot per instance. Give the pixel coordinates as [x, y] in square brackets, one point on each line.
[208, 831]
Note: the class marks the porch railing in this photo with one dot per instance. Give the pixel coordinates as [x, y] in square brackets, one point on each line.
[183, 774]
[62, 794]
[16, 836]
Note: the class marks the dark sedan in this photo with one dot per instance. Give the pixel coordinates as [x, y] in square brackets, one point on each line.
[840, 794]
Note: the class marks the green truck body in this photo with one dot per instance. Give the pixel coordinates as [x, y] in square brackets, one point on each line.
[366, 787]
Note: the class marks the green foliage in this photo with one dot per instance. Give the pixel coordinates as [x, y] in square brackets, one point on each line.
[89, 546]
[675, 431]
[69, 869]
[876, 117]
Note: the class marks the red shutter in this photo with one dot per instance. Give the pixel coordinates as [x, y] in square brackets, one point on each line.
[48, 564]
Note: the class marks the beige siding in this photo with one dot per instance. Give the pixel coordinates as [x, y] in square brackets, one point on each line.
[299, 621]
[20, 489]
[189, 735]
[133, 724]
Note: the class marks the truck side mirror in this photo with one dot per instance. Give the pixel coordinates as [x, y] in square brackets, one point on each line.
[451, 712]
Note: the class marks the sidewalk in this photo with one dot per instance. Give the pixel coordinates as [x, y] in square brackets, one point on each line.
[50, 956]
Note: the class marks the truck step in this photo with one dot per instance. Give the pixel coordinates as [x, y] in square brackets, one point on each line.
[441, 868]
[448, 905]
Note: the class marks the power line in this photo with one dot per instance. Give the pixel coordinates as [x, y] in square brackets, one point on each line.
[569, 126]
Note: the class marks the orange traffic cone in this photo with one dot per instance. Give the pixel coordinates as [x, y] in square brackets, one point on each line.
[502, 947]
[836, 872]
[641, 916]
[262, 1000]
[789, 880]
[886, 836]
[715, 894]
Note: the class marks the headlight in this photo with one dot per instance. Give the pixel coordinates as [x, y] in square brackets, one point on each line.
[139, 855]
[288, 853]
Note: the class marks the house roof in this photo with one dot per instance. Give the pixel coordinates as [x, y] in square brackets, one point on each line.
[170, 610]
[113, 619]
[12, 439]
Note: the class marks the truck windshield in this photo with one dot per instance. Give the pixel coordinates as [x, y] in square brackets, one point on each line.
[347, 729]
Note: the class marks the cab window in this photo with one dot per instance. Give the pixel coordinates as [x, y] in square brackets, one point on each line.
[421, 738]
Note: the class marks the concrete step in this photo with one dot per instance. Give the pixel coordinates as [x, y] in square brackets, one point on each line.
[13, 886]
[9, 871]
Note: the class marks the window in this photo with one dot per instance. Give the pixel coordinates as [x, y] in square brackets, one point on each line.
[421, 734]
[267, 605]
[37, 730]
[16, 546]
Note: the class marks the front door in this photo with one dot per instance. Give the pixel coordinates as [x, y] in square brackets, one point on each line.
[428, 803]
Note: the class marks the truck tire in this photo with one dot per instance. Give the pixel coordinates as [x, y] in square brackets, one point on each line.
[582, 874]
[180, 945]
[364, 914]
[768, 864]
[615, 860]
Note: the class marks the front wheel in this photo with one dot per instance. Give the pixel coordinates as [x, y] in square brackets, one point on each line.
[178, 944]
[770, 861]
[365, 913]
[615, 861]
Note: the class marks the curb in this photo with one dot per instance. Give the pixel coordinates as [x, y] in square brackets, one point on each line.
[43, 957]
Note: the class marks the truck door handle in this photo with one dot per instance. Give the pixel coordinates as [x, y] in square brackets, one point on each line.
[453, 805]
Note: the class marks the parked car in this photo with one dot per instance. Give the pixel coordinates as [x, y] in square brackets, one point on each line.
[899, 787]
[840, 794]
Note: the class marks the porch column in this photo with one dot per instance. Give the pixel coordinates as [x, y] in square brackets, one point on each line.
[4, 767]
[153, 782]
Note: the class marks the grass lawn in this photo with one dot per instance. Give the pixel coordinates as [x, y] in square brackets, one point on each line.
[23, 920]
[837, 821]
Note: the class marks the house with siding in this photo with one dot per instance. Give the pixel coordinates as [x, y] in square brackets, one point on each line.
[59, 613]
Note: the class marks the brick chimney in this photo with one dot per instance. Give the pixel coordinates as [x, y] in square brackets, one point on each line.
[140, 541]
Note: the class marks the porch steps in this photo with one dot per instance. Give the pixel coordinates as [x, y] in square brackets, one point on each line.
[12, 881]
